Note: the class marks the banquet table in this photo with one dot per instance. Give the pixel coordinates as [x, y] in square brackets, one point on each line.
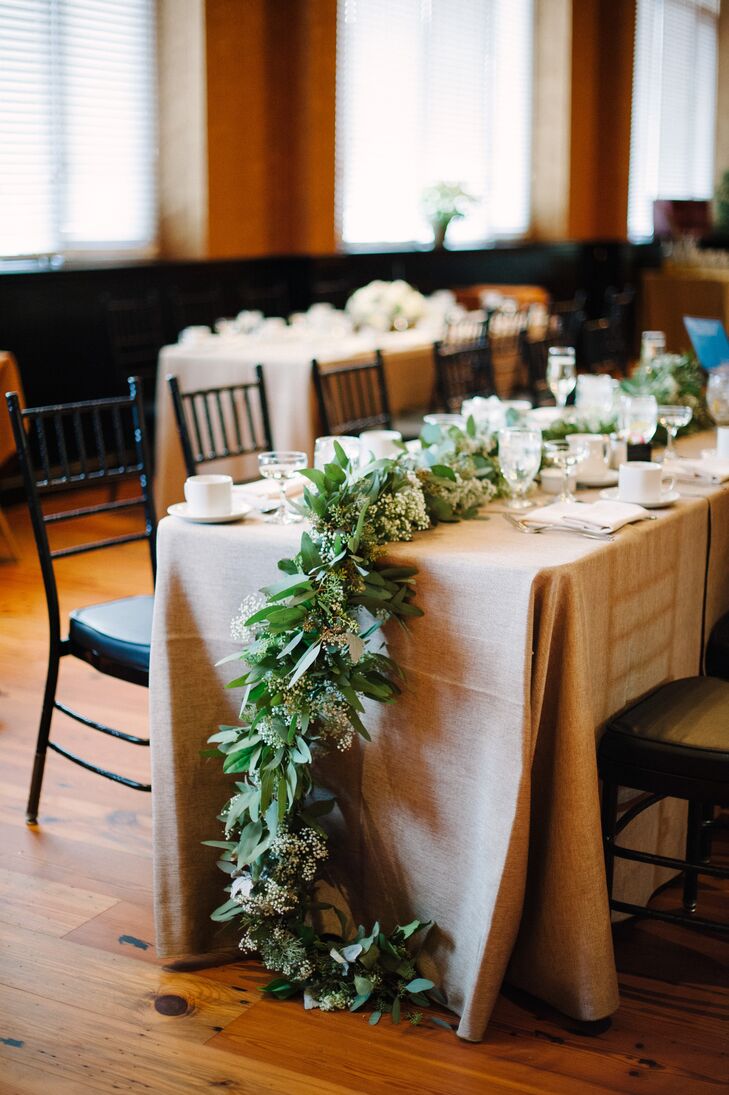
[476, 803]
[286, 357]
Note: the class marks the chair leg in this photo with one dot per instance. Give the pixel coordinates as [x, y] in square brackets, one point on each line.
[695, 846]
[609, 819]
[44, 732]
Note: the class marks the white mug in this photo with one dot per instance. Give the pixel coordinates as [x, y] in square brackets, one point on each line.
[192, 335]
[640, 481]
[595, 463]
[381, 443]
[209, 495]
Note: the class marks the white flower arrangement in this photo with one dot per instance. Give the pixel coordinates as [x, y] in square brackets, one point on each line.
[386, 305]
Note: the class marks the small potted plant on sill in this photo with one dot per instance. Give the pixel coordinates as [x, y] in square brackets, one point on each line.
[442, 203]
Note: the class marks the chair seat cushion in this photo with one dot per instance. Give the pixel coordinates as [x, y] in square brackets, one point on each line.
[717, 650]
[682, 728]
[120, 631]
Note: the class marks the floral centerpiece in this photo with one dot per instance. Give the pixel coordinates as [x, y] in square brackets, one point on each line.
[386, 306]
[313, 651]
[673, 378]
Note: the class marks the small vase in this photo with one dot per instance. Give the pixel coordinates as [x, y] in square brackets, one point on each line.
[439, 234]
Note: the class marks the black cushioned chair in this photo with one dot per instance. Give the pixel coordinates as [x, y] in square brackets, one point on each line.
[672, 744]
[215, 423]
[352, 396]
[75, 446]
[717, 650]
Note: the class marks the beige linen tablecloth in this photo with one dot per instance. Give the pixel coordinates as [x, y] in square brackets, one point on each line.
[409, 373]
[476, 803]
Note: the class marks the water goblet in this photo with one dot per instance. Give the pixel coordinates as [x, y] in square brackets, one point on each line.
[565, 457]
[281, 466]
[561, 373]
[520, 454]
[717, 401]
[673, 419]
[637, 418]
[324, 450]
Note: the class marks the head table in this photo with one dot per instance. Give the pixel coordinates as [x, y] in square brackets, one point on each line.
[286, 357]
[476, 803]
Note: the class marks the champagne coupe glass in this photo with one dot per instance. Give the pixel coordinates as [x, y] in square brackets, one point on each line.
[565, 457]
[673, 419]
[561, 373]
[717, 400]
[324, 450]
[281, 466]
[638, 418]
[520, 454]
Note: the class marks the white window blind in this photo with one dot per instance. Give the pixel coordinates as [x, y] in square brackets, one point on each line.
[672, 138]
[433, 91]
[77, 126]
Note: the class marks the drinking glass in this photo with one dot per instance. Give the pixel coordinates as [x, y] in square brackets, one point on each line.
[280, 466]
[561, 373]
[652, 345]
[520, 454]
[717, 401]
[673, 419]
[637, 418]
[565, 457]
[324, 450]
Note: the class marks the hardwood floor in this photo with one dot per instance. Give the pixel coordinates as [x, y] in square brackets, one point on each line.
[85, 1005]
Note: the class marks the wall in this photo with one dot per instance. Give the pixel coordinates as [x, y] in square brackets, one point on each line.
[267, 113]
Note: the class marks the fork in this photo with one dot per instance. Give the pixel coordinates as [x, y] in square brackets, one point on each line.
[533, 530]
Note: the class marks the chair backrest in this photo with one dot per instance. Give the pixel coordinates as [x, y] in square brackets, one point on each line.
[136, 333]
[352, 396]
[193, 307]
[472, 328]
[75, 446]
[602, 348]
[535, 354]
[462, 370]
[215, 423]
[567, 318]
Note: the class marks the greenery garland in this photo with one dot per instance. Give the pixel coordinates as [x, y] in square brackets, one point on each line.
[313, 652]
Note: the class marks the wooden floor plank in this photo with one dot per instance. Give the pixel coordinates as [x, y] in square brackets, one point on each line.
[86, 1006]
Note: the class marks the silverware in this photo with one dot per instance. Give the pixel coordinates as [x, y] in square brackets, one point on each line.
[533, 530]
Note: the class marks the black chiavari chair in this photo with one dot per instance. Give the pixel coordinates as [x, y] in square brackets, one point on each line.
[216, 423]
[462, 370]
[352, 396]
[535, 355]
[473, 328]
[567, 318]
[601, 352]
[74, 446]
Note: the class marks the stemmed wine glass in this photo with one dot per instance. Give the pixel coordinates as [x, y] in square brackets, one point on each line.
[565, 457]
[282, 466]
[673, 419]
[520, 454]
[561, 373]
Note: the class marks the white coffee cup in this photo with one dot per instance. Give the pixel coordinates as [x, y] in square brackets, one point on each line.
[595, 464]
[381, 443]
[209, 495]
[640, 481]
[191, 335]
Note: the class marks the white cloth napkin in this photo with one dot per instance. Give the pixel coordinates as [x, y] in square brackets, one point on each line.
[588, 516]
[709, 469]
[263, 490]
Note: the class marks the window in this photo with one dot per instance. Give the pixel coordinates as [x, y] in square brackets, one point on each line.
[433, 91]
[672, 137]
[77, 126]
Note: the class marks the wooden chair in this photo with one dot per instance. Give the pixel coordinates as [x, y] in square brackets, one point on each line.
[215, 423]
[567, 318]
[535, 354]
[674, 743]
[472, 328]
[462, 370]
[352, 396]
[81, 445]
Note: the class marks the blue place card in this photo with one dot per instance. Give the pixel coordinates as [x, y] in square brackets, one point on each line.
[709, 340]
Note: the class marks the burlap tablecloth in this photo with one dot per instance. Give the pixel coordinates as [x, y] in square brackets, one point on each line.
[476, 804]
[409, 373]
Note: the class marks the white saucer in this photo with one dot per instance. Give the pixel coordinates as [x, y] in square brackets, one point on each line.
[180, 509]
[608, 479]
[667, 498]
